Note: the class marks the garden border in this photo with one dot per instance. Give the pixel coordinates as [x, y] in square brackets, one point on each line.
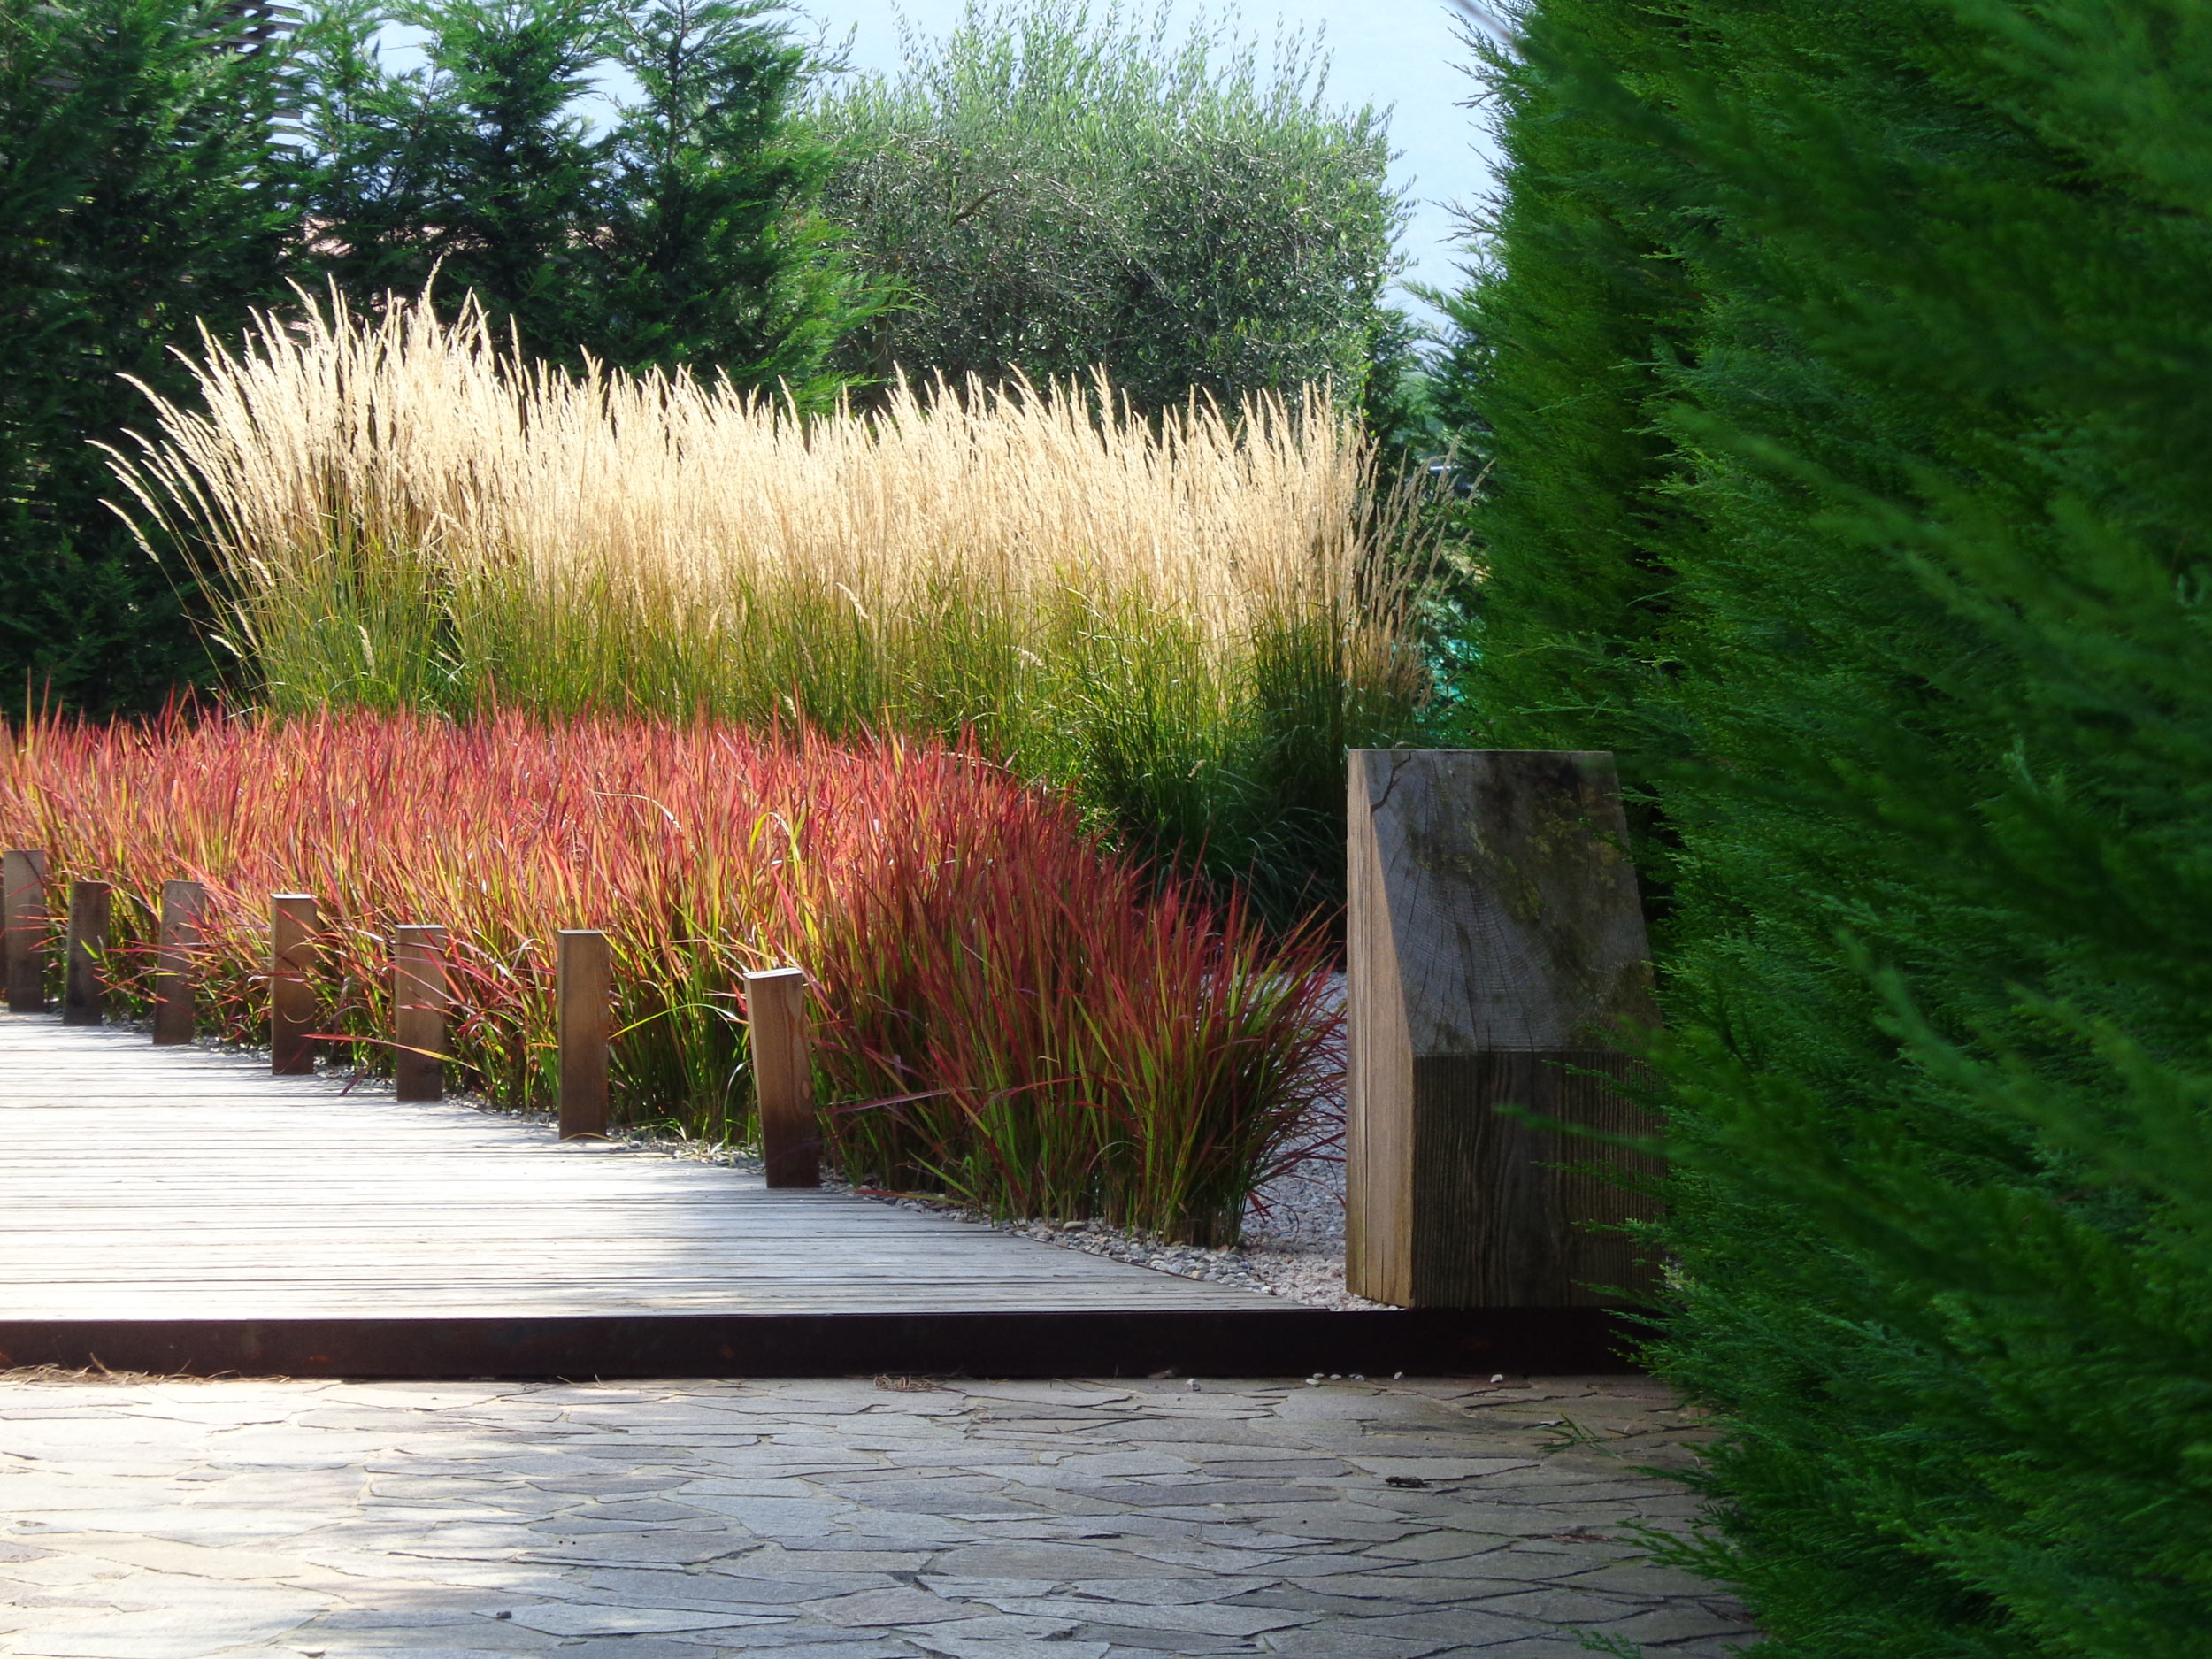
[1258, 1342]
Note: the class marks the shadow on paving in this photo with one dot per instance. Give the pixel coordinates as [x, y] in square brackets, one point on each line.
[843, 1518]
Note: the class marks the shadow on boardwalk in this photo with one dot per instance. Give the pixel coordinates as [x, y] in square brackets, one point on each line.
[842, 1519]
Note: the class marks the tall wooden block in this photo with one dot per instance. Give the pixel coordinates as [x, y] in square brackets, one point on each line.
[783, 1077]
[293, 956]
[421, 997]
[1495, 956]
[23, 885]
[584, 991]
[84, 1000]
[177, 962]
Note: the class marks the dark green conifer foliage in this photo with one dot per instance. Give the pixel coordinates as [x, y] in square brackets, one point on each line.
[365, 169]
[1934, 664]
[685, 235]
[1397, 403]
[713, 258]
[1575, 306]
[520, 203]
[476, 167]
[134, 143]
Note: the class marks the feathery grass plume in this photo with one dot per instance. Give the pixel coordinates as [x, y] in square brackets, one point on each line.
[1188, 619]
[1083, 1039]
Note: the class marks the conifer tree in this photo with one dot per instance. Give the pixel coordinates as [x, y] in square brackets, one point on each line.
[517, 203]
[365, 171]
[714, 259]
[1552, 369]
[685, 235]
[478, 167]
[1928, 694]
[137, 196]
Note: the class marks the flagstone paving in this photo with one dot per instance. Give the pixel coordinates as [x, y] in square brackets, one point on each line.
[844, 1519]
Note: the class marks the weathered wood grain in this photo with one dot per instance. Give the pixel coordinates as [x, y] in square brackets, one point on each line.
[584, 989]
[783, 1077]
[84, 1000]
[177, 964]
[23, 889]
[293, 956]
[1496, 959]
[420, 1000]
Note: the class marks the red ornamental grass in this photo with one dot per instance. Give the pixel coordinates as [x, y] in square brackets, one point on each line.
[1004, 1009]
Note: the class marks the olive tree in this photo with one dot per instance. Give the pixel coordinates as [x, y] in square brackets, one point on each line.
[1047, 189]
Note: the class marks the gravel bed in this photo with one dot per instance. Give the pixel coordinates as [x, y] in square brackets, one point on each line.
[1293, 1230]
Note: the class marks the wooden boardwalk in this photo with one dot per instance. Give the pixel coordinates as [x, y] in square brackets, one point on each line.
[180, 1209]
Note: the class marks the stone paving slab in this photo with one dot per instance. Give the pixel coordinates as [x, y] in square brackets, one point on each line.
[844, 1519]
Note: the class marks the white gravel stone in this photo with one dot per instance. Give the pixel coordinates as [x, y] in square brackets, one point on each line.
[1293, 1244]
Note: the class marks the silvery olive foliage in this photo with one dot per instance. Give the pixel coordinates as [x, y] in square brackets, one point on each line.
[1050, 187]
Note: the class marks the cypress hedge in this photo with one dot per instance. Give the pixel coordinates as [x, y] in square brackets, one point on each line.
[1842, 373]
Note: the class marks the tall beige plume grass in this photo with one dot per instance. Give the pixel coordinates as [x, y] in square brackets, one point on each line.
[1179, 614]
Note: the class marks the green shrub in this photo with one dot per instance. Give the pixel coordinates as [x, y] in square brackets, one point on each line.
[1845, 400]
[1552, 376]
[1047, 191]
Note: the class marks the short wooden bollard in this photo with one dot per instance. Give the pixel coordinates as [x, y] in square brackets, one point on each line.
[1496, 957]
[420, 999]
[582, 990]
[293, 958]
[783, 1077]
[177, 962]
[84, 999]
[23, 893]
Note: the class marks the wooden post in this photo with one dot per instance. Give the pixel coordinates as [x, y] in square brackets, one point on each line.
[420, 997]
[583, 989]
[23, 884]
[84, 998]
[177, 965]
[783, 1076]
[1495, 956]
[293, 957]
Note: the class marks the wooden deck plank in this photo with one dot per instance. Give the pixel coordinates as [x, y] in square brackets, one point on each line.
[146, 1183]
[179, 1209]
